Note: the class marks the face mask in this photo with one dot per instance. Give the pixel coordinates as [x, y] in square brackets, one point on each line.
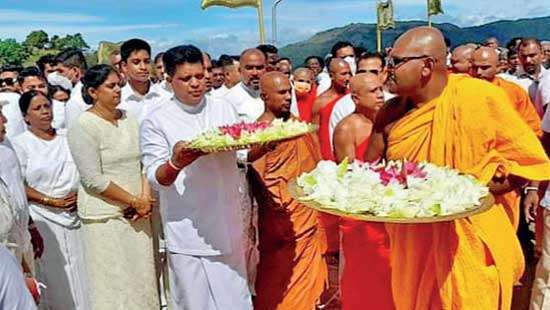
[351, 62]
[302, 87]
[55, 78]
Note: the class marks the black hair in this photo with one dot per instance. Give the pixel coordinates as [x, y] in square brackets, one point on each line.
[267, 48]
[159, 56]
[46, 60]
[27, 97]
[179, 55]
[9, 68]
[447, 41]
[339, 45]
[95, 77]
[73, 58]
[216, 64]
[360, 51]
[525, 41]
[319, 59]
[133, 45]
[52, 89]
[30, 71]
[226, 60]
[284, 59]
[369, 55]
[513, 43]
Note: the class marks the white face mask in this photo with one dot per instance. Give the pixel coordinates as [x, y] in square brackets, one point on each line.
[55, 78]
[351, 62]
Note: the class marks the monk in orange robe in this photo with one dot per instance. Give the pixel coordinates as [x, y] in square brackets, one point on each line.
[340, 74]
[366, 275]
[485, 63]
[292, 271]
[306, 92]
[460, 122]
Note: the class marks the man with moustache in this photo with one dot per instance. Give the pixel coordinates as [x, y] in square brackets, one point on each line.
[218, 80]
[292, 272]
[199, 200]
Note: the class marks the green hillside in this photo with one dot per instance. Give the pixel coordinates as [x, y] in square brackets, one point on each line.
[365, 35]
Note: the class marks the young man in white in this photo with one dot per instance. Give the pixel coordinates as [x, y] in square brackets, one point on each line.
[199, 198]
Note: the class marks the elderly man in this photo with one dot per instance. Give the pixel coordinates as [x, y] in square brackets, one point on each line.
[199, 201]
[365, 281]
[461, 58]
[455, 121]
[292, 272]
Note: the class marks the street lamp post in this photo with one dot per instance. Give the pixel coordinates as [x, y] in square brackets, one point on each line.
[274, 21]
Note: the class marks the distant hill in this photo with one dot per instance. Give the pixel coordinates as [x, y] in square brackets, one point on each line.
[365, 35]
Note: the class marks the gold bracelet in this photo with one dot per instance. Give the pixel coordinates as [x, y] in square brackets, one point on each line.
[45, 200]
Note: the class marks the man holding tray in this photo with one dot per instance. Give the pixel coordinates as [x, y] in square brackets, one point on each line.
[199, 199]
[292, 272]
[460, 122]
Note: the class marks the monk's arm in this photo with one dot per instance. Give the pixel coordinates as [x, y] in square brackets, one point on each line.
[344, 146]
[376, 148]
[499, 186]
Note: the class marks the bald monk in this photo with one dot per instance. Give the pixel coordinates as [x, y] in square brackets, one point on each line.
[306, 92]
[366, 276]
[460, 122]
[340, 75]
[292, 272]
[461, 58]
[485, 62]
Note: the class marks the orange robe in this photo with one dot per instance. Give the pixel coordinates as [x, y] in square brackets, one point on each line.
[366, 274]
[470, 263]
[329, 223]
[292, 271]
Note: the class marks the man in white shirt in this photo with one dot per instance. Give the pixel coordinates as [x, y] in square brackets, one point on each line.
[230, 65]
[245, 96]
[138, 95]
[199, 198]
[72, 65]
[373, 63]
[218, 80]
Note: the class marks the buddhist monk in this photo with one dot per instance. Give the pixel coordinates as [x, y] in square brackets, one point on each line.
[340, 74]
[461, 58]
[460, 122]
[306, 92]
[292, 271]
[365, 279]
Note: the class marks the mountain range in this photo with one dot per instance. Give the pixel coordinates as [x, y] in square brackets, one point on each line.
[361, 34]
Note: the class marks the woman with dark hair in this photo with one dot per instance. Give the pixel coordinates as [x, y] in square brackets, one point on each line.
[114, 200]
[51, 180]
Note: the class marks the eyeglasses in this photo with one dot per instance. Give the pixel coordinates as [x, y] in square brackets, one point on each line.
[395, 62]
[7, 81]
[373, 71]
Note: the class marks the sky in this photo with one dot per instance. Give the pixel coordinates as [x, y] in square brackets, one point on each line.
[167, 23]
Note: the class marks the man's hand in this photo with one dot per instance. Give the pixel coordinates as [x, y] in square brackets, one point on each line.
[530, 205]
[182, 156]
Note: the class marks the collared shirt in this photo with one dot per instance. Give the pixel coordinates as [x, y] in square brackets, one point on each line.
[246, 102]
[201, 209]
[219, 92]
[531, 85]
[136, 105]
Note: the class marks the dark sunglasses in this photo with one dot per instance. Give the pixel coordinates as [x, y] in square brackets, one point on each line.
[395, 62]
[7, 81]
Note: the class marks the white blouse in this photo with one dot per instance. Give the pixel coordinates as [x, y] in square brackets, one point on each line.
[48, 167]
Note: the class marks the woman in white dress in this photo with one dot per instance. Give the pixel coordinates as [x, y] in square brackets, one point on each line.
[113, 199]
[51, 180]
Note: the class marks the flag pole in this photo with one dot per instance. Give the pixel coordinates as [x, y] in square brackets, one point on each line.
[429, 16]
[261, 28]
[378, 39]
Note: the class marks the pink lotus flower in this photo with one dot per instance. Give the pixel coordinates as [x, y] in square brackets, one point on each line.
[236, 130]
[399, 174]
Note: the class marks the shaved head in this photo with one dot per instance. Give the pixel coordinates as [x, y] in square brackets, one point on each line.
[363, 80]
[425, 41]
[302, 73]
[461, 58]
[340, 73]
[337, 64]
[276, 92]
[485, 63]
[303, 81]
[367, 94]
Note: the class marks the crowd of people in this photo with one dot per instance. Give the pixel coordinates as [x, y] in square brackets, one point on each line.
[104, 206]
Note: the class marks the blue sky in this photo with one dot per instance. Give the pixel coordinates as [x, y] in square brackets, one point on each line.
[166, 23]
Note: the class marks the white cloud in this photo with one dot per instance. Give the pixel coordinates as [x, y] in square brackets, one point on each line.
[9, 16]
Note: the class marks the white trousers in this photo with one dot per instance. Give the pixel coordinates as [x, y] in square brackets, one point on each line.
[61, 267]
[540, 293]
[208, 282]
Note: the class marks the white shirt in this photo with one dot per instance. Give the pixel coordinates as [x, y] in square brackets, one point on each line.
[201, 210]
[75, 106]
[14, 293]
[344, 107]
[324, 82]
[10, 108]
[10, 172]
[59, 119]
[219, 92]
[246, 101]
[530, 84]
[136, 105]
[48, 167]
[542, 95]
